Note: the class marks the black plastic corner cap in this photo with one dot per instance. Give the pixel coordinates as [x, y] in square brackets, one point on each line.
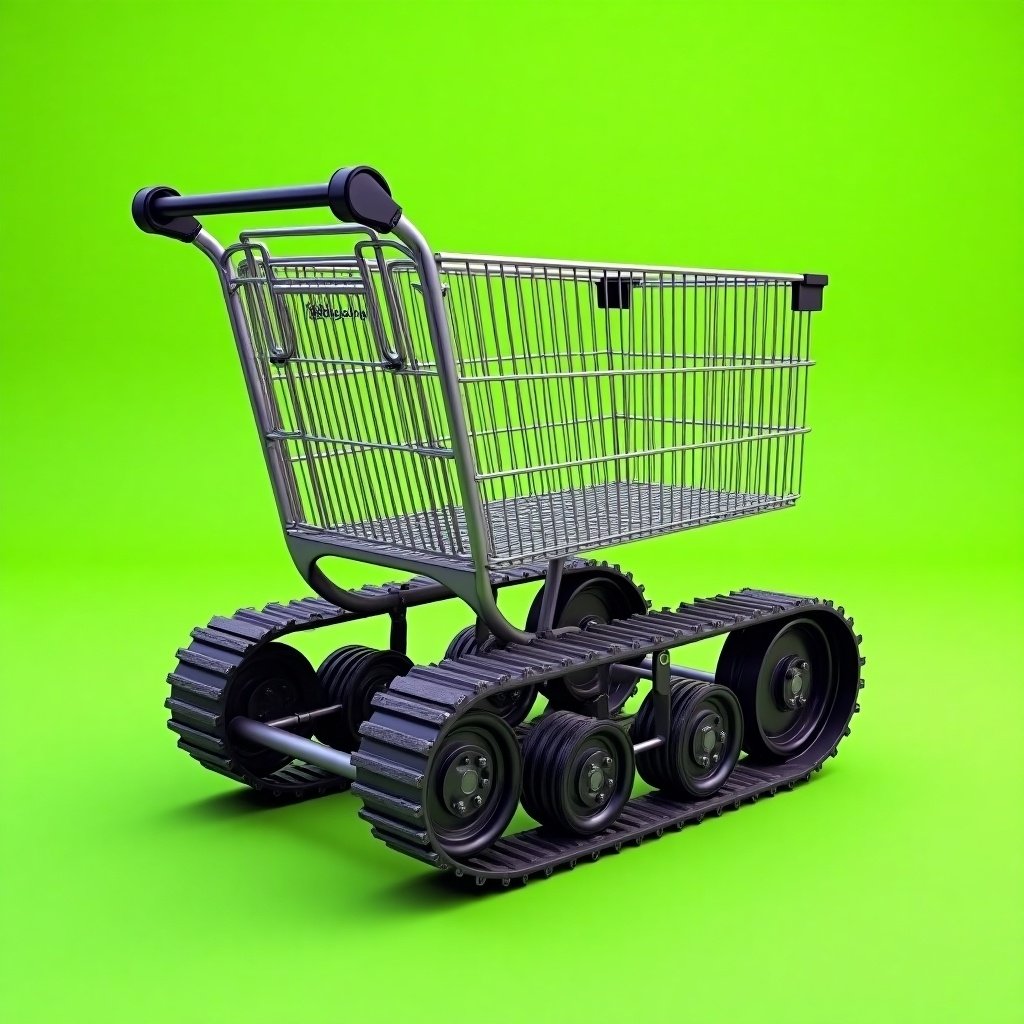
[184, 229]
[361, 194]
[614, 293]
[808, 294]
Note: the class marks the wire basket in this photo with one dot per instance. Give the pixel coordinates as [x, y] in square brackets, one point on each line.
[596, 403]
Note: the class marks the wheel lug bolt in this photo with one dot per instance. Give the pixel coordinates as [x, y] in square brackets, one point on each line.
[459, 806]
[704, 761]
[600, 798]
[484, 783]
[721, 736]
[714, 759]
[609, 782]
[607, 762]
[481, 762]
[478, 800]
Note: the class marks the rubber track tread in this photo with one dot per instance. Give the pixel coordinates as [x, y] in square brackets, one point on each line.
[386, 753]
[200, 682]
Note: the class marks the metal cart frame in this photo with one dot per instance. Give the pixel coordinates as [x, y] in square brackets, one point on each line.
[361, 197]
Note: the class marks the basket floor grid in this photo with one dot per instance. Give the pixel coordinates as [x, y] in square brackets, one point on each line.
[563, 522]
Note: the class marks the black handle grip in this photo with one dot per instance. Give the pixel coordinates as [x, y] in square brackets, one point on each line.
[358, 194]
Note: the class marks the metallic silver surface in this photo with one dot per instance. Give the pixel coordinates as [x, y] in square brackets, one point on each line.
[552, 581]
[458, 262]
[290, 721]
[331, 760]
[676, 671]
[639, 748]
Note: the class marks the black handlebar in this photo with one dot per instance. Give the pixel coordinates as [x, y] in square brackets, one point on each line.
[358, 194]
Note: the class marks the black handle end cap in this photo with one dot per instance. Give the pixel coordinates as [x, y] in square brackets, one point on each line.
[362, 195]
[184, 229]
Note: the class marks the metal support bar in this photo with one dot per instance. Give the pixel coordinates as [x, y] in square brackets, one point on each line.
[661, 688]
[335, 761]
[552, 584]
[639, 748]
[645, 670]
[481, 633]
[677, 671]
[480, 596]
[599, 705]
[399, 640]
[290, 721]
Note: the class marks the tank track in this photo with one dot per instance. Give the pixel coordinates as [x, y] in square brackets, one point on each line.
[418, 708]
[200, 681]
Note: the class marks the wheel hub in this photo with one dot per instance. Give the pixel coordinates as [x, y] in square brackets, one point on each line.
[787, 676]
[595, 779]
[274, 699]
[709, 740]
[466, 782]
[793, 683]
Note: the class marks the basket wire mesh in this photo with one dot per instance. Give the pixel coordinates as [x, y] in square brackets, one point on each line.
[604, 403]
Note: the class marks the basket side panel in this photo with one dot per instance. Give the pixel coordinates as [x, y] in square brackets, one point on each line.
[605, 406]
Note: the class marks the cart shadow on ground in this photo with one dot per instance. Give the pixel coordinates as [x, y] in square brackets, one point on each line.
[331, 826]
[348, 872]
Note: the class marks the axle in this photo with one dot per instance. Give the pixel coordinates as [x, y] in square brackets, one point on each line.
[275, 735]
[336, 761]
[646, 667]
[290, 721]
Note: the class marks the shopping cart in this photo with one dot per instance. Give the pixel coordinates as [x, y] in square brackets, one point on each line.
[482, 421]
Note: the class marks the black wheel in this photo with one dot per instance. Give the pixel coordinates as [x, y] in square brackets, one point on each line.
[465, 642]
[704, 740]
[511, 705]
[350, 677]
[273, 682]
[474, 777]
[577, 772]
[585, 599]
[786, 683]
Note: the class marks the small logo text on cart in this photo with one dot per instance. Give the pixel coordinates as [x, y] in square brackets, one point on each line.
[318, 311]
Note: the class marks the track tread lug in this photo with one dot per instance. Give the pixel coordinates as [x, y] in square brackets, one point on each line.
[224, 641]
[197, 738]
[206, 662]
[421, 853]
[268, 623]
[393, 829]
[388, 803]
[238, 627]
[198, 688]
[191, 715]
[388, 700]
[398, 773]
[393, 737]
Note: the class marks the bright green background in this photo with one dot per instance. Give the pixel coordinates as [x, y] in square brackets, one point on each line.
[880, 143]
